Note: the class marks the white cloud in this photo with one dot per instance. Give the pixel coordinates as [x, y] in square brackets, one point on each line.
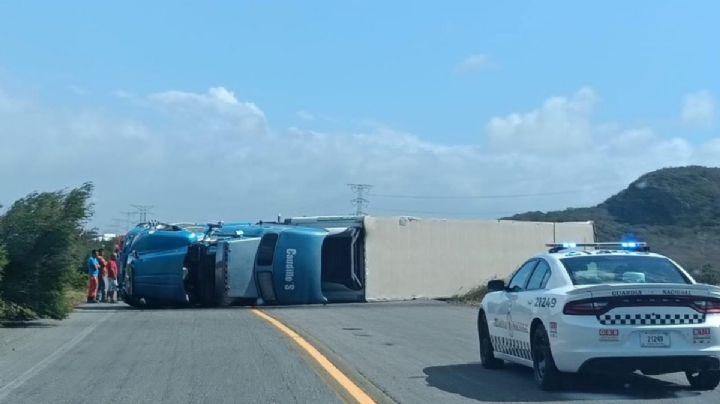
[305, 116]
[218, 110]
[473, 63]
[698, 109]
[218, 98]
[210, 155]
[560, 125]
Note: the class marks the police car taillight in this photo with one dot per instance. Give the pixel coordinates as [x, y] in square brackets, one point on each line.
[713, 306]
[709, 306]
[585, 307]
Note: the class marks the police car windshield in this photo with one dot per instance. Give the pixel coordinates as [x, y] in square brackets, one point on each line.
[605, 269]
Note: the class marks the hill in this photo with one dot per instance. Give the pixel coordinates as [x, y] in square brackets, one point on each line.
[676, 210]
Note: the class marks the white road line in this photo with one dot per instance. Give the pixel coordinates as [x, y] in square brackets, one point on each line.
[18, 381]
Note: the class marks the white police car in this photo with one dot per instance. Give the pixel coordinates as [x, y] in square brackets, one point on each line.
[602, 307]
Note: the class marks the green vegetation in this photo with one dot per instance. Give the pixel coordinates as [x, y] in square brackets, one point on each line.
[42, 249]
[473, 296]
[676, 210]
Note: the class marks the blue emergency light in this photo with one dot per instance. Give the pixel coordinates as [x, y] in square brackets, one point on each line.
[623, 245]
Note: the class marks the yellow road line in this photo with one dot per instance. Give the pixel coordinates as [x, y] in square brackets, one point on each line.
[352, 389]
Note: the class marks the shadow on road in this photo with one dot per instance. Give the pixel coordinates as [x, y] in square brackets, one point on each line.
[152, 308]
[27, 324]
[103, 307]
[515, 383]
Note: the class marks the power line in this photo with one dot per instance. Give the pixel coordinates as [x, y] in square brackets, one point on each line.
[129, 218]
[499, 196]
[142, 211]
[119, 224]
[436, 212]
[360, 202]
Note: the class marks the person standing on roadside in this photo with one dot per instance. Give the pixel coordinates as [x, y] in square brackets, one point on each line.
[93, 267]
[102, 279]
[112, 279]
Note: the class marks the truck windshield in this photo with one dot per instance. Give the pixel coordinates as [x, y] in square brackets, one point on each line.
[606, 269]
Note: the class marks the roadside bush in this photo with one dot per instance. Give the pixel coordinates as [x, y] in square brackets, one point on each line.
[708, 275]
[41, 234]
[3, 262]
[474, 295]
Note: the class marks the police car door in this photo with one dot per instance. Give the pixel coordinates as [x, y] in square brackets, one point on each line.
[509, 341]
[531, 302]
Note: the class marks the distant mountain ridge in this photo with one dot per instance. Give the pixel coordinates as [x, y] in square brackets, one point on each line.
[676, 210]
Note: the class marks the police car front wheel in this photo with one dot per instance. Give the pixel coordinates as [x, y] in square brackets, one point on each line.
[487, 353]
[703, 379]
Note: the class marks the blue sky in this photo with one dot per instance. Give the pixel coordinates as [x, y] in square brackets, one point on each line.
[438, 72]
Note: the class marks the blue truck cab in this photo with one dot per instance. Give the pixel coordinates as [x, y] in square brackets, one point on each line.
[127, 245]
[153, 271]
[247, 264]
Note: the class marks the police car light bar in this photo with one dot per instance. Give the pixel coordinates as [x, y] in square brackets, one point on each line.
[623, 245]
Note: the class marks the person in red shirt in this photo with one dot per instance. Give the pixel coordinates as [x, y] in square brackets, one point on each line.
[112, 279]
[102, 278]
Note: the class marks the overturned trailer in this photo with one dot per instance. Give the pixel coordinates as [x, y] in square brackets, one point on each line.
[334, 259]
[409, 258]
[268, 263]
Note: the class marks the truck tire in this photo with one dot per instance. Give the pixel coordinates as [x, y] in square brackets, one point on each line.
[219, 286]
[212, 287]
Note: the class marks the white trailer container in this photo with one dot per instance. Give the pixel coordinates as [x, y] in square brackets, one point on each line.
[408, 258]
[401, 258]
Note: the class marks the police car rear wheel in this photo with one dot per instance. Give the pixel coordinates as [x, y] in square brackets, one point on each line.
[487, 353]
[546, 374]
[704, 379]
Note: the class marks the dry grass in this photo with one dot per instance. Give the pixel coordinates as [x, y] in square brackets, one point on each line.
[74, 297]
[474, 296]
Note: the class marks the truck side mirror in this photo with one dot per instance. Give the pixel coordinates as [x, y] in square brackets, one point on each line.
[496, 285]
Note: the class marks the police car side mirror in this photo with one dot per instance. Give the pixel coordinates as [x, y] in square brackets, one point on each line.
[496, 285]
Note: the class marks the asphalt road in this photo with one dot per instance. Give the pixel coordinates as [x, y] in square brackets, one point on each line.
[106, 354]
[427, 352]
[415, 352]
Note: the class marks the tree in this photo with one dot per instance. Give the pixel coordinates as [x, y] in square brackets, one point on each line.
[3, 262]
[41, 234]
